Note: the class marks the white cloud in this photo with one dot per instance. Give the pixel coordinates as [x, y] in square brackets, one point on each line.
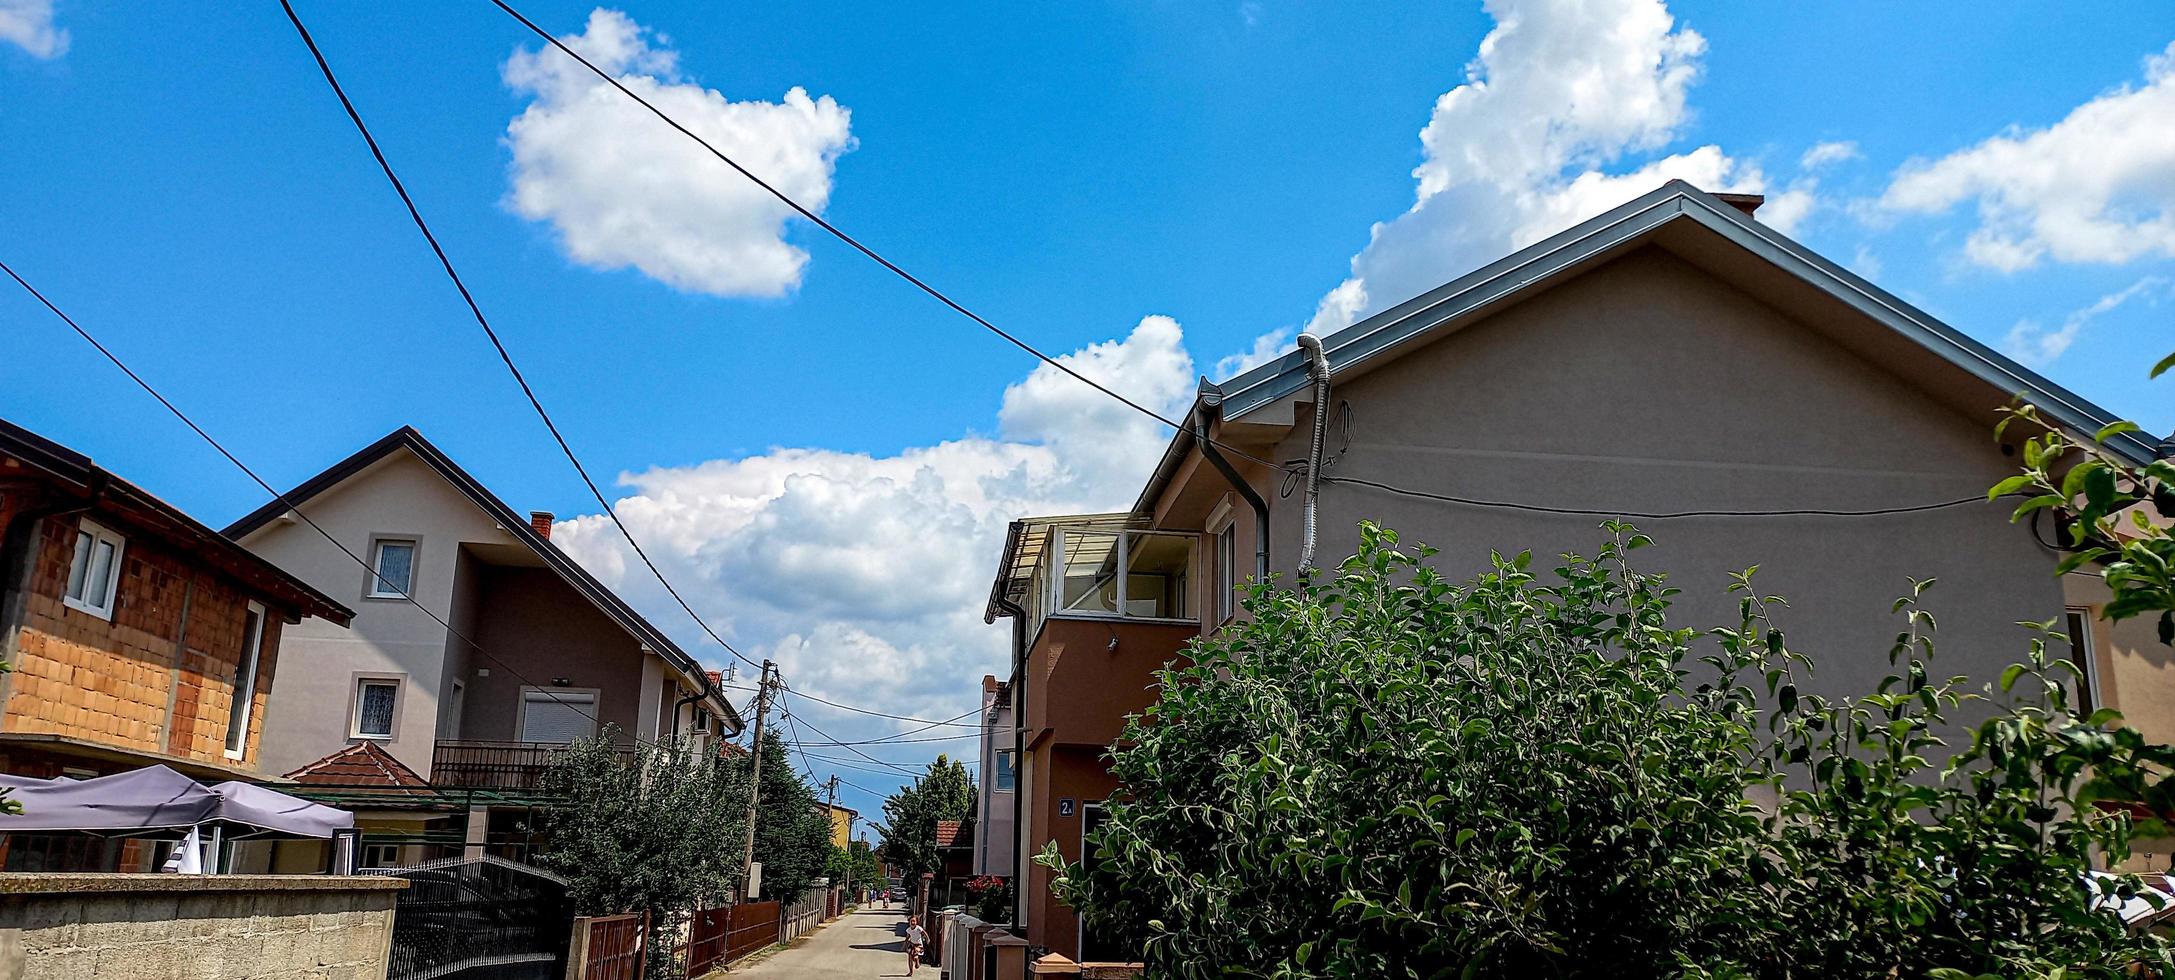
[1828, 154]
[28, 24]
[864, 576]
[2094, 187]
[2038, 346]
[1266, 348]
[623, 189]
[1561, 90]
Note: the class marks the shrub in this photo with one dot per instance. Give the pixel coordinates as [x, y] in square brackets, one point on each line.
[1381, 773]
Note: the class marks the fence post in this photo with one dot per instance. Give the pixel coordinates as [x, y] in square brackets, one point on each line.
[1011, 956]
[577, 948]
[1053, 965]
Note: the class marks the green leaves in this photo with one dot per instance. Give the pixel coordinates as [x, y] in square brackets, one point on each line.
[1390, 775]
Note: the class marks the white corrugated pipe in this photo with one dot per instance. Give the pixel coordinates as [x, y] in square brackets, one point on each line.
[1317, 369]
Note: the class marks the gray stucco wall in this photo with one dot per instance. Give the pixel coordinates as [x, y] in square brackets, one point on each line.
[190, 927]
[1647, 385]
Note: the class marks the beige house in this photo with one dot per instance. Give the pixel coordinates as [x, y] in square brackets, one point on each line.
[1672, 358]
[508, 650]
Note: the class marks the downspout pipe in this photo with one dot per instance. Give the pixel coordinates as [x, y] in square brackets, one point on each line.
[1318, 370]
[1245, 490]
[1019, 759]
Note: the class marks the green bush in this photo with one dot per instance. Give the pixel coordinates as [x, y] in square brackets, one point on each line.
[1382, 773]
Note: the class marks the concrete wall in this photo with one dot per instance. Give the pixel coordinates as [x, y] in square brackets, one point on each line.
[186, 927]
[312, 713]
[1647, 385]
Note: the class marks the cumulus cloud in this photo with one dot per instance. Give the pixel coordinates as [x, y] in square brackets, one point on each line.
[2039, 346]
[1266, 348]
[1828, 154]
[622, 189]
[28, 24]
[1562, 91]
[2094, 187]
[864, 576]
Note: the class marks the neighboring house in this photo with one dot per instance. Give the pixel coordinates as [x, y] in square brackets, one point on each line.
[955, 860]
[841, 819]
[994, 798]
[137, 636]
[1670, 355]
[539, 653]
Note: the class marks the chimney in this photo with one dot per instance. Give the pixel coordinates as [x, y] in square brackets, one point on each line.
[540, 522]
[1747, 203]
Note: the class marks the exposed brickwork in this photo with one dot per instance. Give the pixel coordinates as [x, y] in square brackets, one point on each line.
[82, 676]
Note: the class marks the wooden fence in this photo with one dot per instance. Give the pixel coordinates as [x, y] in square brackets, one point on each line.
[610, 947]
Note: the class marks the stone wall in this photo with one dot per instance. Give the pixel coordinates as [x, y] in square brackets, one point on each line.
[190, 927]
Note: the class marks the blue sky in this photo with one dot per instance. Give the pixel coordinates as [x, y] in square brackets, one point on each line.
[179, 178]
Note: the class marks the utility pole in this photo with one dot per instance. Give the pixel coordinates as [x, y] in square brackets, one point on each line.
[755, 778]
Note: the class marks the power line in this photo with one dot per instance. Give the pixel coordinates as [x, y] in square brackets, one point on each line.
[954, 722]
[857, 751]
[482, 321]
[291, 506]
[1015, 341]
[834, 230]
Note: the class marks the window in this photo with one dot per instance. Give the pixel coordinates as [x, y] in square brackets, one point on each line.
[1156, 582]
[2079, 621]
[393, 561]
[245, 682]
[380, 856]
[94, 575]
[1004, 771]
[558, 715]
[1227, 579]
[374, 701]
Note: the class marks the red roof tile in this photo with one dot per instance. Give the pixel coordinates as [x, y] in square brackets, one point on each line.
[361, 764]
[947, 832]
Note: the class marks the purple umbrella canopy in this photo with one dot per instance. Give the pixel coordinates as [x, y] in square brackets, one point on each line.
[156, 798]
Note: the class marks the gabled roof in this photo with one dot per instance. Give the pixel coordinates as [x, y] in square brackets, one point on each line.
[363, 764]
[947, 833]
[75, 474]
[1673, 205]
[406, 437]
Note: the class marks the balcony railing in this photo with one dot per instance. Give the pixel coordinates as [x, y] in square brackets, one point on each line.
[496, 765]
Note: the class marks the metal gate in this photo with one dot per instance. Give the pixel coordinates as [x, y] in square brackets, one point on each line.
[479, 919]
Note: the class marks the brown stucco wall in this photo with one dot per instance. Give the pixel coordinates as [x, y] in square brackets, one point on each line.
[158, 677]
[196, 927]
[538, 627]
[1646, 385]
[1079, 694]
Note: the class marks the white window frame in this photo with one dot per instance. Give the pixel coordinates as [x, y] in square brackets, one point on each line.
[374, 585]
[244, 708]
[1001, 765]
[1056, 592]
[355, 709]
[97, 533]
[362, 855]
[2086, 655]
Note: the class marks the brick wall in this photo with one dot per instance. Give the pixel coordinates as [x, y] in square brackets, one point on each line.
[136, 682]
[211, 927]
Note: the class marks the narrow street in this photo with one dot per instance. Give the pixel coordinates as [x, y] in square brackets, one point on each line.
[859, 945]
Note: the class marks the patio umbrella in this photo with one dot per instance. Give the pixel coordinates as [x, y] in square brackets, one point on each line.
[255, 811]
[152, 798]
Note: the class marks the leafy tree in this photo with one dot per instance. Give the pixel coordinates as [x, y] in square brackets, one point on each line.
[2106, 512]
[660, 834]
[945, 792]
[1383, 773]
[792, 834]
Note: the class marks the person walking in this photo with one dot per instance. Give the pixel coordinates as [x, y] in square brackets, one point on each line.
[916, 939]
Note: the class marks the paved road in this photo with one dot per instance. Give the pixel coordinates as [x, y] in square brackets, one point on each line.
[858, 946]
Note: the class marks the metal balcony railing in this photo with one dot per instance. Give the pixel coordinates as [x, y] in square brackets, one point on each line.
[468, 764]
